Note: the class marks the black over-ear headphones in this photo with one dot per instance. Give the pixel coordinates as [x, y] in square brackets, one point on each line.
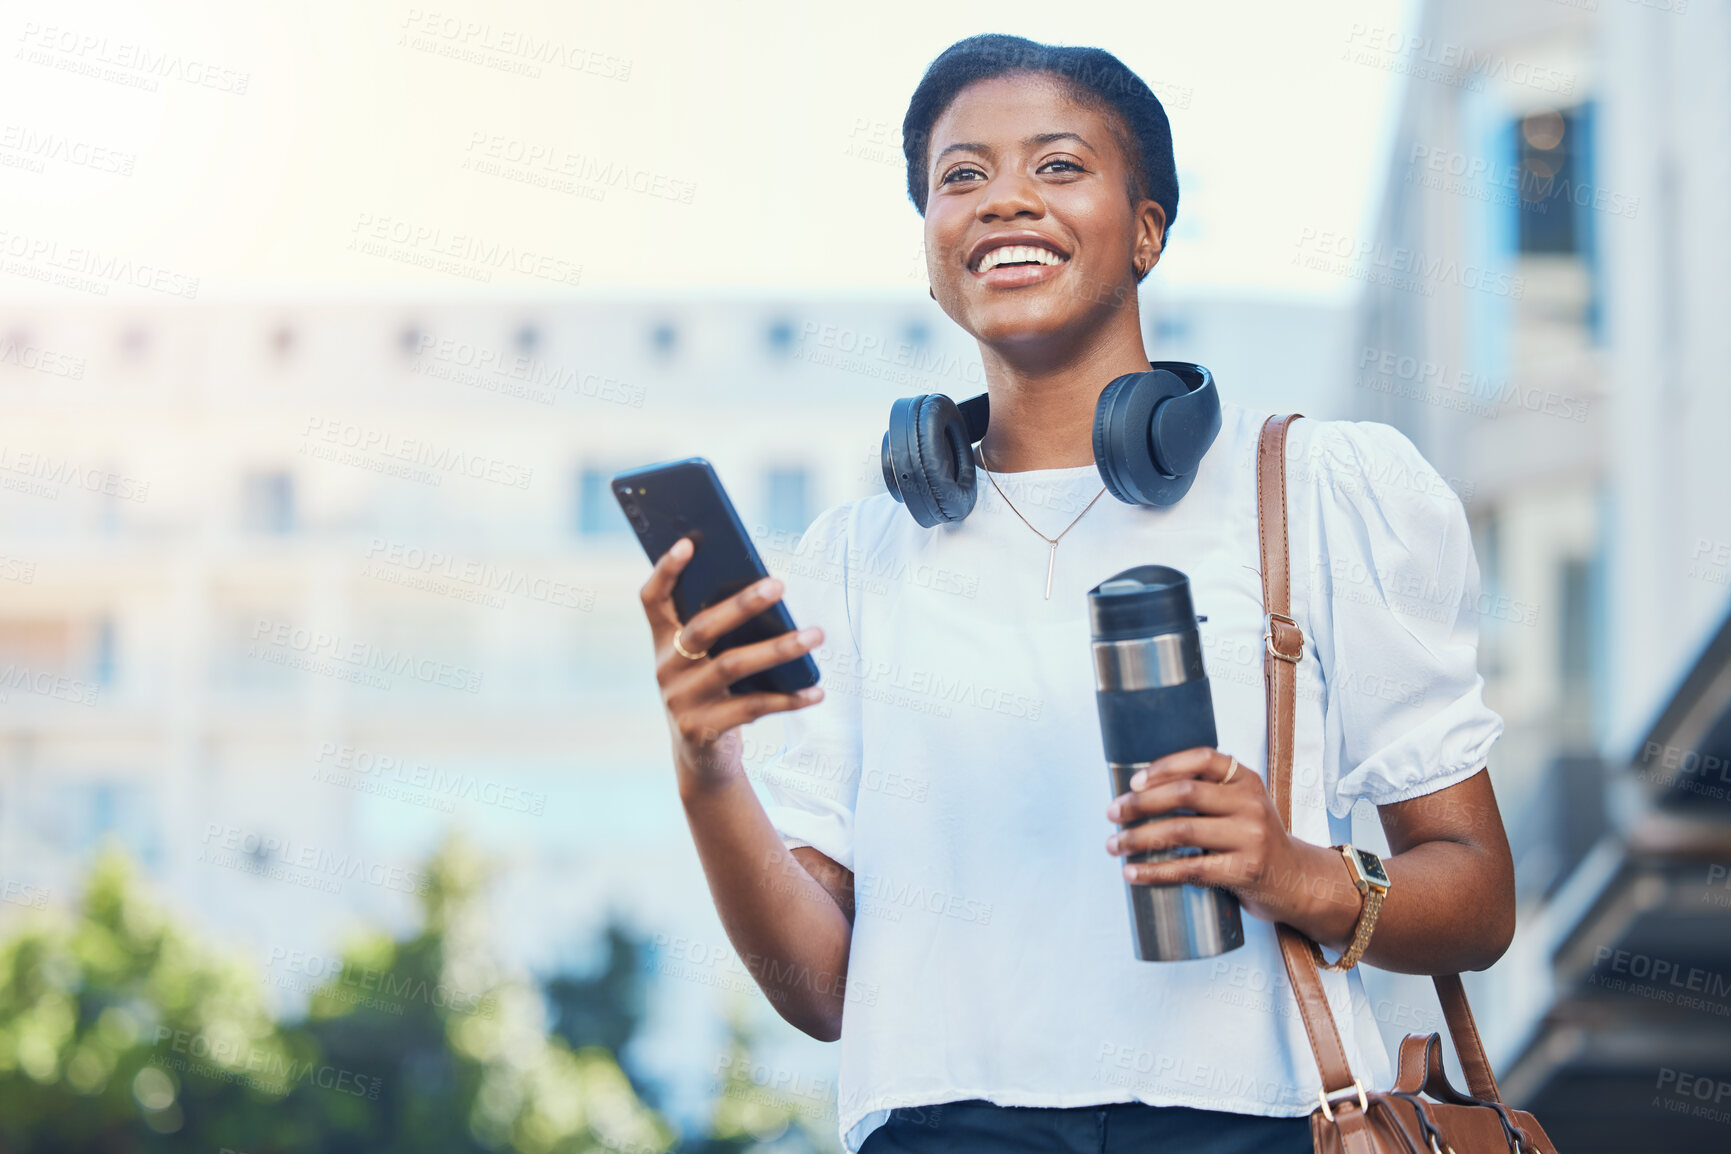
[1150, 432]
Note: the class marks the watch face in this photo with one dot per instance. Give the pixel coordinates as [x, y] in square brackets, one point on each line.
[1372, 866]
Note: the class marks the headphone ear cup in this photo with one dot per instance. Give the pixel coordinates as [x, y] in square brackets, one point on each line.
[928, 460]
[1107, 430]
[1125, 425]
[944, 445]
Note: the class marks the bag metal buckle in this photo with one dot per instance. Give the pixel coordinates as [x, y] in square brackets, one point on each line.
[1325, 1098]
[1268, 639]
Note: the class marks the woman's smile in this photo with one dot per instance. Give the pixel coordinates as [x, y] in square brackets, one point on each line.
[1016, 259]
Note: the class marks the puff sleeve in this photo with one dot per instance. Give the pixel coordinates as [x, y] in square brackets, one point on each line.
[1394, 601]
[812, 777]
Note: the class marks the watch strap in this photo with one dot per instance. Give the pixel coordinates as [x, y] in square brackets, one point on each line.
[1360, 936]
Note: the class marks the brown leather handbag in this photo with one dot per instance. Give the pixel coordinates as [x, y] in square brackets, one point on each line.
[1349, 1118]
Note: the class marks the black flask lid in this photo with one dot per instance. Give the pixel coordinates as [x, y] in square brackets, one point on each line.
[1146, 601]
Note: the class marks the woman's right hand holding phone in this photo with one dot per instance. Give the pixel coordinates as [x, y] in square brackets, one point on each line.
[703, 716]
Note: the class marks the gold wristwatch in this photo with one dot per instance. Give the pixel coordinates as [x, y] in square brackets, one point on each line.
[1372, 882]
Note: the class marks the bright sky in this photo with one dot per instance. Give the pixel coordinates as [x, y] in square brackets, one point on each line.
[341, 145]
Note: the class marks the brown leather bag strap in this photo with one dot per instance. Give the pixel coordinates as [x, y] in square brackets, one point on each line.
[1283, 639]
[1283, 648]
[1421, 1069]
[1464, 1032]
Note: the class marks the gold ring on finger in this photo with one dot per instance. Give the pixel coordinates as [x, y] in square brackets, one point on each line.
[1230, 770]
[677, 636]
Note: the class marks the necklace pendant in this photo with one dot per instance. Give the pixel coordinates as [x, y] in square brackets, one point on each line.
[1051, 560]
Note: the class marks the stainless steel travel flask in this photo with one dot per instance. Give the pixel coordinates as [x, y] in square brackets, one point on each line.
[1154, 700]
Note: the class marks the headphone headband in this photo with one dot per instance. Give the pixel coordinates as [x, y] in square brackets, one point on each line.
[1151, 431]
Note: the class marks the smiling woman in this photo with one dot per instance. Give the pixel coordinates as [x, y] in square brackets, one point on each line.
[983, 988]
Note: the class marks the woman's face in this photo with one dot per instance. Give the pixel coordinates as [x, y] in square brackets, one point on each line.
[1030, 233]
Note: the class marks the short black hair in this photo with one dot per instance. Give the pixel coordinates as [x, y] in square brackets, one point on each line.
[1094, 76]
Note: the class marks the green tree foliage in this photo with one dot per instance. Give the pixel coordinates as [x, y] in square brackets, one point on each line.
[602, 1009]
[120, 1032]
[760, 1109]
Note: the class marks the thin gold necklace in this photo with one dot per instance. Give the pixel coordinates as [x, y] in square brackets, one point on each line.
[1051, 542]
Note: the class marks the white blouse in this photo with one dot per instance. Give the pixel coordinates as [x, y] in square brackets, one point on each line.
[956, 766]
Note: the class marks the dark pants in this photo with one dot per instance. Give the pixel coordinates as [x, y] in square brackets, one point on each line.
[1119, 1128]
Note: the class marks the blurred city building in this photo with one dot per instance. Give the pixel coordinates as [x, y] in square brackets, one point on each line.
[287, 586]
[1544, 313]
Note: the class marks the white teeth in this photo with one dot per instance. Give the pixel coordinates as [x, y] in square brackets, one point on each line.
[1016, 254]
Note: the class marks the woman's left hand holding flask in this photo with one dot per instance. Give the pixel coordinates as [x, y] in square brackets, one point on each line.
[1275, 876]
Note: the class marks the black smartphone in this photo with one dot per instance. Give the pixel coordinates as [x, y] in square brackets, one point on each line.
[685, 499]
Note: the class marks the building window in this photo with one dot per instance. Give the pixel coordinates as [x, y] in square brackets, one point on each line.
[788, 505]
[268, 503]
[598, 512]
[1576, 656]
[1550, 152]
[102, 655]
[1169, 327]
[282, 342]
[1487, 549]
[77, 817]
